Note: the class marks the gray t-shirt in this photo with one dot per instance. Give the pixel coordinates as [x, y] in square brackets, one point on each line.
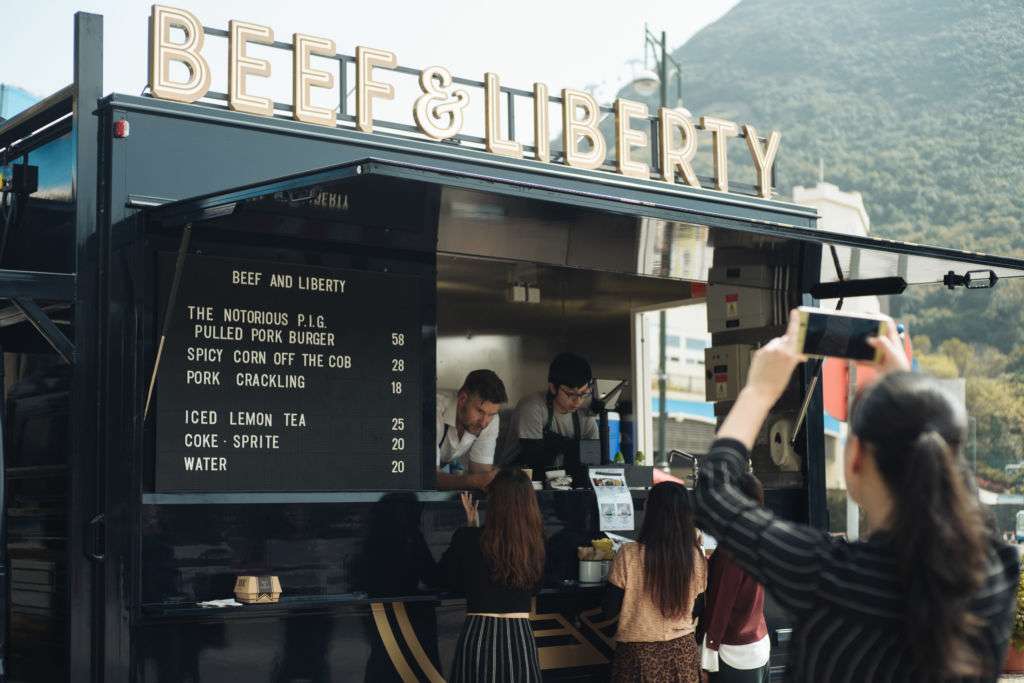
[532, 416]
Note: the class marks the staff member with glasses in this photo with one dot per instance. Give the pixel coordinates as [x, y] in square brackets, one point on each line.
[552, 422]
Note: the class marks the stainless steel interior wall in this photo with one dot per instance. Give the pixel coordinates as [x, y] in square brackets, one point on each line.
[591, 271]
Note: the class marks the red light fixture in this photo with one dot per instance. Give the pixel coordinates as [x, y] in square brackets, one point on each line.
[121, 128]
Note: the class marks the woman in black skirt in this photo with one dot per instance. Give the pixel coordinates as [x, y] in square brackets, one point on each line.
[499, 568]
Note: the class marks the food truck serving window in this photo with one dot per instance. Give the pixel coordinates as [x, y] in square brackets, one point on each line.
[284, 377]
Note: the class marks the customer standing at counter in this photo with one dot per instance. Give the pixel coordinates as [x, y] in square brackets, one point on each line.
[467, 431]
[736, 646]
[929, 595]
[552, 422]
[652, 587]
[499, 567]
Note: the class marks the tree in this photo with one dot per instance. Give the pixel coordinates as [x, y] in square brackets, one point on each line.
[937, 365]
[997, 405]
[958, 352]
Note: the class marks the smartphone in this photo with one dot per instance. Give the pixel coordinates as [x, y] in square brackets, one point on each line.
[838, 334]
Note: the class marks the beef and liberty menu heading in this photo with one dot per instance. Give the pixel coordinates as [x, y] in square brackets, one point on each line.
[289, 378]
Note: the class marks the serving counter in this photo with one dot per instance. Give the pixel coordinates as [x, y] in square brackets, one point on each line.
[362, 598]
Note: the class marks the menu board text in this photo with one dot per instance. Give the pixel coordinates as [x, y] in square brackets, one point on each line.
[281, 377]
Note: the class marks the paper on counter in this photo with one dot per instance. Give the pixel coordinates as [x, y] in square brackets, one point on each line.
[618, 541]
[614, 502]
[226, 602]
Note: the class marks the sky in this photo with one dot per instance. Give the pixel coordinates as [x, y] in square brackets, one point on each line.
[563, 44]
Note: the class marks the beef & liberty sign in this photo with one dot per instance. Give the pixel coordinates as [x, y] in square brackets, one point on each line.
[439, 112]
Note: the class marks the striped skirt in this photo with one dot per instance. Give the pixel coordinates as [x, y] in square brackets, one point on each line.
[495, 650]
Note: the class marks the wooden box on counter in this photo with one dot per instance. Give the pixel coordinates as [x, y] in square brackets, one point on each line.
[257, 589]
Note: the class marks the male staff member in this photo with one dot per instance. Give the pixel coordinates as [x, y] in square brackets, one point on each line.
[552, 422]
[467, 431]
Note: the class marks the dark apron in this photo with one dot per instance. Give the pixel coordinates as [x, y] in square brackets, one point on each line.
[454, 466]
[556, 445]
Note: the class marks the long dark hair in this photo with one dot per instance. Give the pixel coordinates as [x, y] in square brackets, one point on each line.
[512, 541]
[915, 433]
[669, 540]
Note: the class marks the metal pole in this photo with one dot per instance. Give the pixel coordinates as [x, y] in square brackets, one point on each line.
[646, 43]
[5, 587]
[666, 269]
[974, 444]
[662, 406]
[88, 628]
[664, 71]
[172, 298]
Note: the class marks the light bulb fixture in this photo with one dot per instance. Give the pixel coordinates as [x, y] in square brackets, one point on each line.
[646, 83]
[972, 279]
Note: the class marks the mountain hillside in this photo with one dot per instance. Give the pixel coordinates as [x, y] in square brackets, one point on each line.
[917, 104]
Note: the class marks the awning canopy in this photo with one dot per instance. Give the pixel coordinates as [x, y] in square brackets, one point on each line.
[859, 257]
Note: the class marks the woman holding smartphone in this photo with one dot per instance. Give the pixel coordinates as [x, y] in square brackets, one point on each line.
[928, 595]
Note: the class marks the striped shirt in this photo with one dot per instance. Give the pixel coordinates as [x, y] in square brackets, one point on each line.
[846, 599]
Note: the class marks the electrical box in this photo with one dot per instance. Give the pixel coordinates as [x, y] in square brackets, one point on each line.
[732, 307]
[517, 293]
[726, 371]
[765, 277]
[24, 179]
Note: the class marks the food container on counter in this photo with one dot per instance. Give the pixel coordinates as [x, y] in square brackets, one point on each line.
[257, 589]
[594, 571]
[595, 561]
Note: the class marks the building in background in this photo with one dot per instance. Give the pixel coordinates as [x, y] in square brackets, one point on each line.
[14, 100]
[54, 176]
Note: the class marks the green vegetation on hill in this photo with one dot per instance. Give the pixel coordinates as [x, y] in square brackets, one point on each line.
[919, 105]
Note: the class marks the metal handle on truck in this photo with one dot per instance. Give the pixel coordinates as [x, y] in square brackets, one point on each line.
[94, 528]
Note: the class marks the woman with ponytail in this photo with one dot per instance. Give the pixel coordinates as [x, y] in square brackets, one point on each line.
[928, 595]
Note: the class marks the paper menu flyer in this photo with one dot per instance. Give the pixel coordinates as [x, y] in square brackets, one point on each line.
[614, 503]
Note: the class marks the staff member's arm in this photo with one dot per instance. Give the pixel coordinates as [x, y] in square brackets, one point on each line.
[462, 482]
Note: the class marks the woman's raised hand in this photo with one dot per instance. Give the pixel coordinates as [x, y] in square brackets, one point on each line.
[470, 506]
[772, 365]
[894, 355]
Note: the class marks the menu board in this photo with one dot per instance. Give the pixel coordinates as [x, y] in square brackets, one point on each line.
[278, 377]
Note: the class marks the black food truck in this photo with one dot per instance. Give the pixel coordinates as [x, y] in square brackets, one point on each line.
[226, 319]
